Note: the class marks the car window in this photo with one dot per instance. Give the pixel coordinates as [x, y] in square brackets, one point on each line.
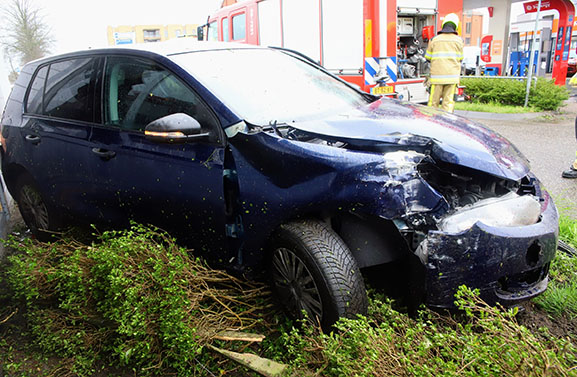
[225, 35]
[138, 92]
[212, 31]
[34, 102]
[69, 91]
[239, 27]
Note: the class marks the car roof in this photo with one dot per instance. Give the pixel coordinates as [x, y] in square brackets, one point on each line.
[183, 45]
[165, 48]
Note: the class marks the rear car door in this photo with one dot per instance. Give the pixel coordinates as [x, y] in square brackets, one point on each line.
[60, 109]
[174, 186]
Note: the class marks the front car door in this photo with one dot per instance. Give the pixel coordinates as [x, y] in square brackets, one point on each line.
[178, 187]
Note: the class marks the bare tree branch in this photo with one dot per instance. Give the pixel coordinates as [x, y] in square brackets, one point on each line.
[25, 35]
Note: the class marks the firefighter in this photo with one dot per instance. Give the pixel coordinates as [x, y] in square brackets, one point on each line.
[445, 52]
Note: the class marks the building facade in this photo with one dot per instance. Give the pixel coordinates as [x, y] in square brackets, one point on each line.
[472, 29]
[132, 34]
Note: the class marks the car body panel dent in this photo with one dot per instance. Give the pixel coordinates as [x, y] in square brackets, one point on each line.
[286, 179]
[455, 139]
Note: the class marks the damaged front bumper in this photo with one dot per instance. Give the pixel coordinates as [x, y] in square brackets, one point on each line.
[507, 264]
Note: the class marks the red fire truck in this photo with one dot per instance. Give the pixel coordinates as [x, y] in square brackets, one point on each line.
[375, 44]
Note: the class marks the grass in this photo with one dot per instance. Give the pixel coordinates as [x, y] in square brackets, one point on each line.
[493, 108]
[568, 230]
[560, 298]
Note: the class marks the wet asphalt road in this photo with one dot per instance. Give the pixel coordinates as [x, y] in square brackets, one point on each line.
[550, 144]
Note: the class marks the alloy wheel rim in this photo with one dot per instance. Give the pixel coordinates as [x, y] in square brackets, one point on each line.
[295, 285]
[33, 208]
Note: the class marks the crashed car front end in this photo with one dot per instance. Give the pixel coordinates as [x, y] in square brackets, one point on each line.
[471, 228]
[500, 242]
[469, 211]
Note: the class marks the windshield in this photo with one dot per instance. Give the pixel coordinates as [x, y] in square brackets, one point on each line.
[264, 86]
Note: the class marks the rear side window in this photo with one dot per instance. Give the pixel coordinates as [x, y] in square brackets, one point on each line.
[34, 102]
[70, 90]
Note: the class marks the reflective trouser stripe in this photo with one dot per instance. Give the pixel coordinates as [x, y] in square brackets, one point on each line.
[445, 79]
[443, 55]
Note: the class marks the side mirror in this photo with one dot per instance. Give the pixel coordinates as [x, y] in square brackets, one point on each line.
[174, 128]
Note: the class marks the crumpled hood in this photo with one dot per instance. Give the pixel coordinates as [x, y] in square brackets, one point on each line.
[454, 139]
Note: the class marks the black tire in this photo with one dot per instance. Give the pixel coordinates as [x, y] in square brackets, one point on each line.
[312, 269]
[37, 215]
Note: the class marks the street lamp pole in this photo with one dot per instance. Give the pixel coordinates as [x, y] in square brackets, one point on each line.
[532, 54]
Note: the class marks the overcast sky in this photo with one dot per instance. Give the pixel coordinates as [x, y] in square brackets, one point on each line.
[80, 24]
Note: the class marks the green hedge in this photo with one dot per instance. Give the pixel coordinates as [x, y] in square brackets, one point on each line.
[133, 299]
[545, 96]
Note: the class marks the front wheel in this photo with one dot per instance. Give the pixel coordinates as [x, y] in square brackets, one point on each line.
[314, 272]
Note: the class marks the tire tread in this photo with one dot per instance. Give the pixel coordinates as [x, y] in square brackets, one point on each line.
[340, 270]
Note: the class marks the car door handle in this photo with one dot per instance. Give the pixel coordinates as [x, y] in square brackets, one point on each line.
[104, 154]
[34, 139]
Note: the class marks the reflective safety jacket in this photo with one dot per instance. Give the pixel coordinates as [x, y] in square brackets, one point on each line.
[445, 52]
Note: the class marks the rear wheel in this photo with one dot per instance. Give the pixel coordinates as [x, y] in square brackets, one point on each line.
[35, 212]
[314, 272]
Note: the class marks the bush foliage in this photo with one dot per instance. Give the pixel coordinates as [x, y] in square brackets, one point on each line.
[485, 341]
[545, 96]
[134, 297]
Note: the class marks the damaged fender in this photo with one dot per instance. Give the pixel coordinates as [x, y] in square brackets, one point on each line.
[287, 179]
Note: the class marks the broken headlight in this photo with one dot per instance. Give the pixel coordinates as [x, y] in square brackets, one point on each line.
[509, 210]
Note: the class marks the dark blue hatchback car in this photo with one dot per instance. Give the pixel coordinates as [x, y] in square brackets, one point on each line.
[258, 158]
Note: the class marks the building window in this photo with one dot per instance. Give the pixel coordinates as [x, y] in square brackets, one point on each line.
[151, 35]
[467, 41]
[468, 28]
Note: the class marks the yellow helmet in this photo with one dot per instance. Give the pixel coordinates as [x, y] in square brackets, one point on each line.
[453, 18]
